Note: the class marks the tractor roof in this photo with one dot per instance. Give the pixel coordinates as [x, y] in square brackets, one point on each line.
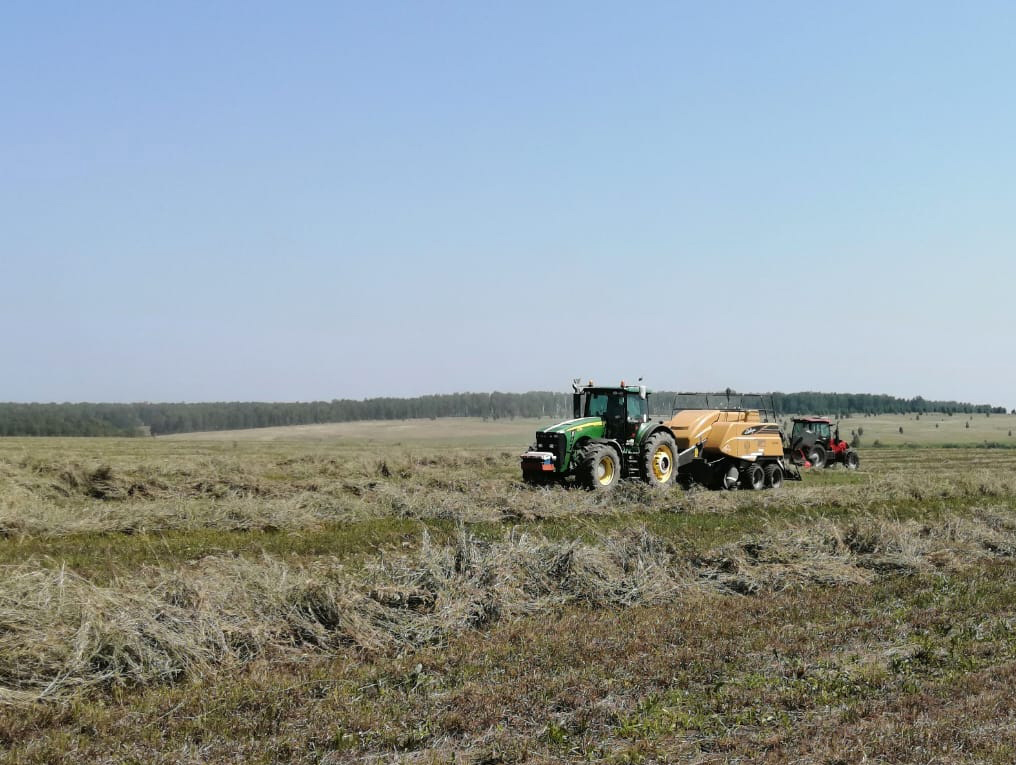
[611, 388]
[813, 419]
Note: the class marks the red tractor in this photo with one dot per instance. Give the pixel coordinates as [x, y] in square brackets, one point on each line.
[813, 441]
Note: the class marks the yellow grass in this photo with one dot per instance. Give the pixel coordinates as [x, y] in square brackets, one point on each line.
[927, 429]
[932, 429]
[442, 432]
[374, 592]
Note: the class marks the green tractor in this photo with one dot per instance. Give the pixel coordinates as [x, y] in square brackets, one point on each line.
[611, 437]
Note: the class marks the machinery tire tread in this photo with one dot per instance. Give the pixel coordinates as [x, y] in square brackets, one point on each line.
[651, 460]
[773, 476]
[599, 467]
[817, 456]
[752, 476]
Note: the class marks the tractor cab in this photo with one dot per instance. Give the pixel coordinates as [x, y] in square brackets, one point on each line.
[623, 409]
[808, 431]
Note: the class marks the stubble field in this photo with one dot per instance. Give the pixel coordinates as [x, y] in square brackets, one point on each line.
[392, 592]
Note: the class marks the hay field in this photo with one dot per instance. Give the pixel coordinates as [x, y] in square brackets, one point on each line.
[392, 592]
[440, 433]
[934, 429]
[931, 429]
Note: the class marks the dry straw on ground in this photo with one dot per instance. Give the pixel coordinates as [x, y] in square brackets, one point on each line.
[52, 498]
[60, 633]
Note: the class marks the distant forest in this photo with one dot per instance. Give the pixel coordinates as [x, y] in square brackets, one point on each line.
[162, 419]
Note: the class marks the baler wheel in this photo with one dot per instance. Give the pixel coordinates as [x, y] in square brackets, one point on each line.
[752, 477]
[774, 476]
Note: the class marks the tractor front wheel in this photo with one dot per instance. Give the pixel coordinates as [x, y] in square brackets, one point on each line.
[658, 459]
[599, 468]
[851, 460]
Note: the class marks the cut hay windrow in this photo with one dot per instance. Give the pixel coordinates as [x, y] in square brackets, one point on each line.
[60, 634]
[63, 497]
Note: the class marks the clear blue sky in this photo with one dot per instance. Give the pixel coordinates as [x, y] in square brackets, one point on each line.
[293, 201]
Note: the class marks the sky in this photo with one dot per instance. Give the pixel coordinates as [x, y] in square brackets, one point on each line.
[206, 201]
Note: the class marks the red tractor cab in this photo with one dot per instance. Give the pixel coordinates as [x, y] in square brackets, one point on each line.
[813, 440]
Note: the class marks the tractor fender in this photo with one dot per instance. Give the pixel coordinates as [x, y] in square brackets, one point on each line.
[612, 443]
[681, 458]
[651, 428]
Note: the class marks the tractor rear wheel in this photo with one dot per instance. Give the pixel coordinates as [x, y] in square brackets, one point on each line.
[817, 456]
[658, 459]
[599, 468]
[851, 460]
[774, 476]
[752, 477]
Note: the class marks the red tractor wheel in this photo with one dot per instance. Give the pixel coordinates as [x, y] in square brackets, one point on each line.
[817, 456]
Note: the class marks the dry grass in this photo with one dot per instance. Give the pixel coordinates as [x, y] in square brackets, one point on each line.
[60, 633]
[908, 669]
[154, 492]
[445, 432]
[932, 429]
[326, 601]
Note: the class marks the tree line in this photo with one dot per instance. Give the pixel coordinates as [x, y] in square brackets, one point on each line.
[142, 419]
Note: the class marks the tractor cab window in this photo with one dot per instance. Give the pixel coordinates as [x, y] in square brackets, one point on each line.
[615, 406]
[606, 404]
[636, 408]
[609, 404]
[822, 429]
[596, 405]
[799, 429]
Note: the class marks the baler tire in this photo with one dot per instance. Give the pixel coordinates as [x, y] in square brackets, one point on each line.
[752, 477]
[659, 459]
[850, 460]
[774, 476]
[817, 456]
[599, 468]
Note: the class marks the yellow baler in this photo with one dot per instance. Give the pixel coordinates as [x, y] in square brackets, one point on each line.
[734, 448]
